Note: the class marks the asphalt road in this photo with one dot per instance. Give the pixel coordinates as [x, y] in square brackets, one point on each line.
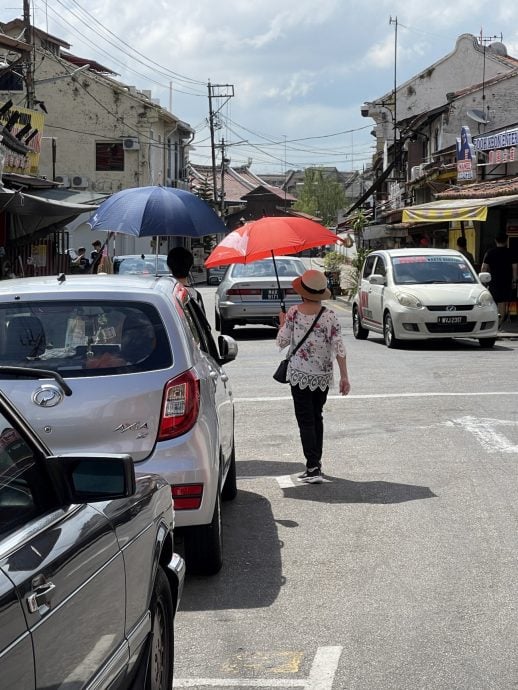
[399, 571]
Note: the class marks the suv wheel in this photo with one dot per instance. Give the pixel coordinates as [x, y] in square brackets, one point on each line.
[388, 332]
[161, 654]
[359, 332]
[204, 545]
[486, 342]
[229, 490]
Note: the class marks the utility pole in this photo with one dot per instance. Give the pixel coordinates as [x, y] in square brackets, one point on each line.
[218, 91]
[222, 189]
[396, 166]
[29, 71]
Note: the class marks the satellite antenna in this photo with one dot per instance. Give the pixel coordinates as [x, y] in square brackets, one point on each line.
[478, 116]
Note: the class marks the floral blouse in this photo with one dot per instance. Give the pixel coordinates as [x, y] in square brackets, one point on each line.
[312, 365]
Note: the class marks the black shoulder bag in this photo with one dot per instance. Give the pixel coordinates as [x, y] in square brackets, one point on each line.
[281, 373]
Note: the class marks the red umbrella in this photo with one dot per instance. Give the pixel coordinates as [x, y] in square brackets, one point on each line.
[270, 236]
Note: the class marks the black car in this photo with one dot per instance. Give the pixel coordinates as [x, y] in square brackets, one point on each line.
[89, 580]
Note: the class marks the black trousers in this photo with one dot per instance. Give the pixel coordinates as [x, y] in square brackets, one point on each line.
[309, 407]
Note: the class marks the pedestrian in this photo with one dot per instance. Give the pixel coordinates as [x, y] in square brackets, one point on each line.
[310, 369]
[97, 244]
[462, 248]
[80, 261]
[501, 262]
[180, 261]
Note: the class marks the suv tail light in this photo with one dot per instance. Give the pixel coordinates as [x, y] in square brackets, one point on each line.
[180, 406]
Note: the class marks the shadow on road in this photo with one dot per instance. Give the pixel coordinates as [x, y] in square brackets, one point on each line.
[251, 576]
[337, 490]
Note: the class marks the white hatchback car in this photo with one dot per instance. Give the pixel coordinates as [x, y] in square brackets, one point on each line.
[418, 294]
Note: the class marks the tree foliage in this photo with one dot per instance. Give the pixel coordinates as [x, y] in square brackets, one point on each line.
[321, 196]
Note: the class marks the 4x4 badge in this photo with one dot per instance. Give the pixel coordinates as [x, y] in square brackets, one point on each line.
[47, 396]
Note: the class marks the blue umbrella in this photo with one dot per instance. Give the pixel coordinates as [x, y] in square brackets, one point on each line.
[162, 211]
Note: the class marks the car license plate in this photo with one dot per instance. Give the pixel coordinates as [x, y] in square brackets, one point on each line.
[271, 293]
[451, 319]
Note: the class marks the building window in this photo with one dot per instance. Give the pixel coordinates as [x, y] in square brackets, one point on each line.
[109, 157]
[10, 81]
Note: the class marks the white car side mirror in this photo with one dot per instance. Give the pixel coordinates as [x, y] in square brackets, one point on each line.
[484, 277]
[377, 279]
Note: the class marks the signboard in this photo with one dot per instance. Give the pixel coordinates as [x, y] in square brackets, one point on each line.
[500, 147]
[18, 162]
[466, 168]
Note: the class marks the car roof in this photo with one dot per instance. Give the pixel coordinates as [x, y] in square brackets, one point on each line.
[416, 251]
[90, 284]
[140, 256]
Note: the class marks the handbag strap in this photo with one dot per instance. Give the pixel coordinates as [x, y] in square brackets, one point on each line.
[322, 310]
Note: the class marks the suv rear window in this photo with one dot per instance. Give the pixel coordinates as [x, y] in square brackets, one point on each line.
[89, 338]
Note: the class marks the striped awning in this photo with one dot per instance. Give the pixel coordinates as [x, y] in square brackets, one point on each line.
[455, 209]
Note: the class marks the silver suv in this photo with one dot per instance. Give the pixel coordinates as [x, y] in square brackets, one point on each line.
[145, 378]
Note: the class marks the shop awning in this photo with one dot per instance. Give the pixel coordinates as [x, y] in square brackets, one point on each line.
[23, 204]
[455, 209]
[31, 213]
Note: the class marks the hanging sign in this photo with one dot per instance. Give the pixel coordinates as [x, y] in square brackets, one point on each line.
[466, 169]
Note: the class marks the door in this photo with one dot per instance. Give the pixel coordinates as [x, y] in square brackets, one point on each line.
[376, 292]
[365, 290]
[16, 658]
[220, 383]
[66, 569]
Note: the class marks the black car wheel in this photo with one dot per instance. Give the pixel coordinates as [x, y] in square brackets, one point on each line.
[388, 332]
[226, 326]
[204, 545]
[161, 655]
[217, 321]
[229, 490]
[359, 332]
[486, 343]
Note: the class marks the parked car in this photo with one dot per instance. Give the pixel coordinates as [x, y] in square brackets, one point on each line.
[249, 294]
[89, 580]
[417, 294]
[138, 264]
[215, 275]
[146, 378]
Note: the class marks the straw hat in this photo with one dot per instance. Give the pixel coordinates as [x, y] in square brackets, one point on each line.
[312, 285]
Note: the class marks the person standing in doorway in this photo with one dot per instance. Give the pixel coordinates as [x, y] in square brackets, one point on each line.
[503, 266]
[462, 247]
[310, 369]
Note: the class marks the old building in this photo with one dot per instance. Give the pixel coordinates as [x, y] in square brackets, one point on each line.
[100, 135]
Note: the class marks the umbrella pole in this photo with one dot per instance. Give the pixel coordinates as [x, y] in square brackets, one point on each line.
[157, 249]
[281, 297]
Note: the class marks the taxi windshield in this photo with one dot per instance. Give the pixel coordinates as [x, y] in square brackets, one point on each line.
[431, 269]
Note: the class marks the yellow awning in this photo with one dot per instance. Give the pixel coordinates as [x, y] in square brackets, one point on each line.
[454, 209]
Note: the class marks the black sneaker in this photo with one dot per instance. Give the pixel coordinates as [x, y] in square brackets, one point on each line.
[311, 476]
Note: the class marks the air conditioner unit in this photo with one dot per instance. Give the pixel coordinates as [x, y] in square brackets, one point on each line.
[63, 180]
[79, 182]
[130, 144]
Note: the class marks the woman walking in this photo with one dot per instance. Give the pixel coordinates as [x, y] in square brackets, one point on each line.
[310, 369]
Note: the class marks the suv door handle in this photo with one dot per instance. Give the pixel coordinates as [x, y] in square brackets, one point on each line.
[41, 596]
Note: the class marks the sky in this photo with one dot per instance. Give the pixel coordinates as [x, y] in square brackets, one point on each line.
[298, 70]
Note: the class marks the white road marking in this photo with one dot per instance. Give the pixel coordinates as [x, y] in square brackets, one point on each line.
[321, 676]
[486, 433]
[323, 669]
[285, 482]
[372, 396]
